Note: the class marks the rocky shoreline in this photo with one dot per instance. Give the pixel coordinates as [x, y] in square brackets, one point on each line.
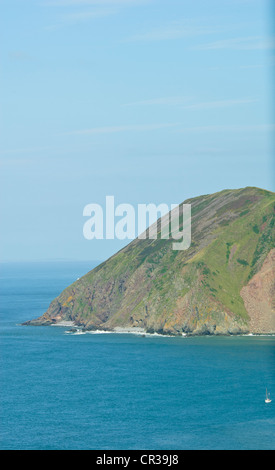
[80, 328]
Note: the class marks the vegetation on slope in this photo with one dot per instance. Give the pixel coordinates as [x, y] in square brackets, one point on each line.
[148, 284]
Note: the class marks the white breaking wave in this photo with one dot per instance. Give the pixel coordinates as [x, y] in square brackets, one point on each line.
[118, 330]
[64, 323]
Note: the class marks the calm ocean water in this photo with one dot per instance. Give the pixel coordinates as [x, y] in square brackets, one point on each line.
[121, 391]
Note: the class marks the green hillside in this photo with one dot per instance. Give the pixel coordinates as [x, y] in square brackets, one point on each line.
[196, 291]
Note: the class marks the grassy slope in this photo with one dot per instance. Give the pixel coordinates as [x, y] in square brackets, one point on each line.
[150, 284]
[230, 259]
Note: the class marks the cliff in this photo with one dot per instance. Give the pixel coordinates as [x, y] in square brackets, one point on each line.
[223, 284]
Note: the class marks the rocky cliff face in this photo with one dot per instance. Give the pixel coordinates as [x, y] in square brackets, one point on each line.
[223, 284]
[259, 297]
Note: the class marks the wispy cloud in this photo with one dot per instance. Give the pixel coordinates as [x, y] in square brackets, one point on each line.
[84, 10]
[75, 17]
[79, 16]
[116, 129]
[229, 128]
[65, 3]
[175, 30]
[184, 102]
[23, 150]
[20, 56]
[241, 43]
[169, 101]
[11, 162]
[152, 127]
[219, 104]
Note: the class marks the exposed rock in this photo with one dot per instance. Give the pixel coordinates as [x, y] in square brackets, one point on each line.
[259, 297]
[223, 283]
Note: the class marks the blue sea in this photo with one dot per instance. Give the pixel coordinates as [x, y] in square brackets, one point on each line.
[123, 391]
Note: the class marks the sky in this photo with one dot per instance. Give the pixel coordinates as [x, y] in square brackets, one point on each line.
[151, 101]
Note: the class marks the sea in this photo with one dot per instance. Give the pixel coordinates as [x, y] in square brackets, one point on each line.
[111, 391]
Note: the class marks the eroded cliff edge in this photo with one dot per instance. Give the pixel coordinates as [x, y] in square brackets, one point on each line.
[259, 297]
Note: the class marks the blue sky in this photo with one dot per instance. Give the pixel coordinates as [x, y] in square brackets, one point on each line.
[147, 100]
